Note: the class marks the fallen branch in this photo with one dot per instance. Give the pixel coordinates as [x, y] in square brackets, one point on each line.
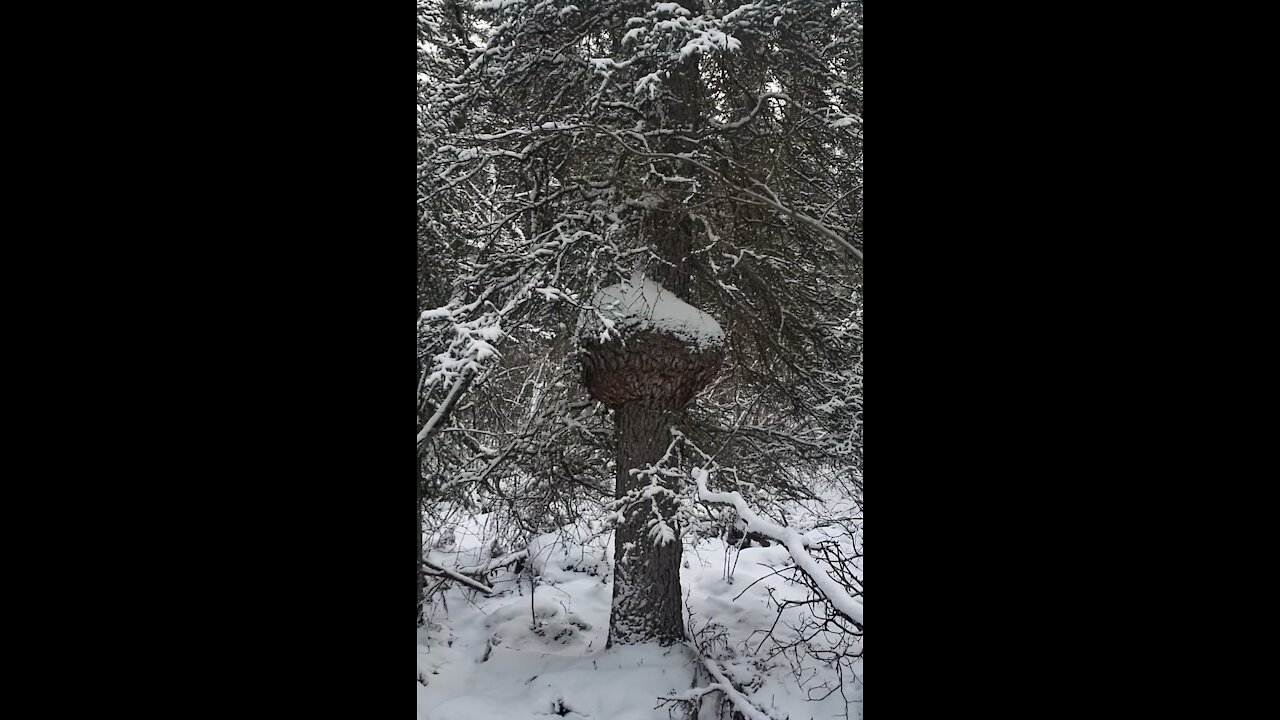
[495, 563]
[453, 575]
[832, 590]
[724, 686]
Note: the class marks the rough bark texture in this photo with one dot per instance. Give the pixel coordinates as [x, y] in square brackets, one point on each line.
[658, 370]
[419, 563]
[646, 576]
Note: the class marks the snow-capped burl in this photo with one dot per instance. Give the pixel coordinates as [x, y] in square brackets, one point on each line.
[641, 304]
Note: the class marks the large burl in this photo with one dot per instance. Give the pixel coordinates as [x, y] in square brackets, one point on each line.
[648, 346]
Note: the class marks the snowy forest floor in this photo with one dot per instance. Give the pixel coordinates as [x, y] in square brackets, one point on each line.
[536, 647]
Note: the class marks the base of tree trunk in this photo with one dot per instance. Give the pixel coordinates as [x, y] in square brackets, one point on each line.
[646, 579]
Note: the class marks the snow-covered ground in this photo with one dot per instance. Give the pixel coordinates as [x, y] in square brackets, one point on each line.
[537, 651]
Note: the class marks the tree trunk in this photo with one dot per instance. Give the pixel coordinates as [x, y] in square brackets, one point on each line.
[646, 584]
[419, 545]
[646, 579]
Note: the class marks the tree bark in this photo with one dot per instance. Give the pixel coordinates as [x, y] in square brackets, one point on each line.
[420, 558]
[646, 581]
[646, 584]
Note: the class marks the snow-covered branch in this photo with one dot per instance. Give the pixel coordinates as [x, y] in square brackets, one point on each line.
[722, 685]
[834, 592]
[452, 575]
[495, 563]
[434, 423]
[772, 202]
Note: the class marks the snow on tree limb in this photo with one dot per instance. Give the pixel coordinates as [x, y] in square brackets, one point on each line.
[452, 575]
[834, 592]
[495, 563]
[723, 685]
[455, 393]
[740, 701]
[772, 202]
